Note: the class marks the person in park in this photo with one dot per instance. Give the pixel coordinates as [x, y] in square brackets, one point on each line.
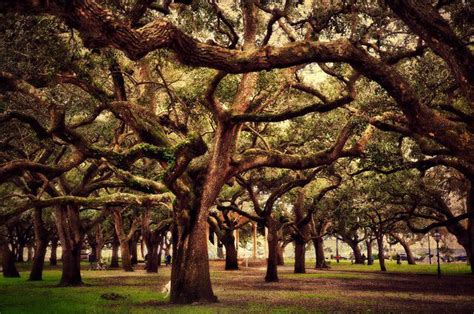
[168, 259]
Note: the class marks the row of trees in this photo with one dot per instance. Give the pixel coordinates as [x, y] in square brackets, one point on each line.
[154, 113]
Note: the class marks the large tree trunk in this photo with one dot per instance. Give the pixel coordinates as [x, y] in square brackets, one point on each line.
[381, 254]
[71, 259]
[231, 261]
[125, 255]
[272, 272]
[67, 222]
[53, 259]
[300, 252]
[153, 259]
[41, 241]
[8, 262]
[319, 249]
[370, 260]
[190, 277]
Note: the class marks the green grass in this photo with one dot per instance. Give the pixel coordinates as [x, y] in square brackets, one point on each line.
[20, 296]
[451, 269]
[392, 267]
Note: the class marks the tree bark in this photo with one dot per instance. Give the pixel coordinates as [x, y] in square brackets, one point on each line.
[370, 260]
[29, 253]
[8, 258]
[53, 259]
[280, 255]
[71, 259]
[153, 259]
[67, 222]
[126, 257]
[300, 252]
[21, 249]
[319, 249]
[124, 241]
[231, 261]
[272, 262]
[406, 247]
[470, 226]
[134, 249]
[41, 242]
[190, 277]
[381, 254]
[114, 262]
[220, 251]
[357, 254]
[99, 239]
[93, 253]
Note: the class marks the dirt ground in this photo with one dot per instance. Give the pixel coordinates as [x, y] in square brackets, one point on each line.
[339, 291]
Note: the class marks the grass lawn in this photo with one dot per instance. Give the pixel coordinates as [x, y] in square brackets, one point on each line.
[344, 287]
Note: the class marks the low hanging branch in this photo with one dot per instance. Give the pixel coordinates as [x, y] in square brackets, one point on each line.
[115, 199]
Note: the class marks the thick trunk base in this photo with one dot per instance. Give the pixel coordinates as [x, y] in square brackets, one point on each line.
[190, 277]
[71, 275]
[300, 252]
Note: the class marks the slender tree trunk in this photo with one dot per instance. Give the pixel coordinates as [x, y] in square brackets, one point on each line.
[320, 258]
[370, 260]
[134, 250]
[53, 259]
[124, 241]
[93, 254]
[220, 251]
[99, 239]
[98, 253]
[160, 253]
[280, 256]
[272, 271]
[29, 253]
[41, 240]
[470, 226]
[410, 258]
[114, 262]
[21, 249]
[381, 253]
